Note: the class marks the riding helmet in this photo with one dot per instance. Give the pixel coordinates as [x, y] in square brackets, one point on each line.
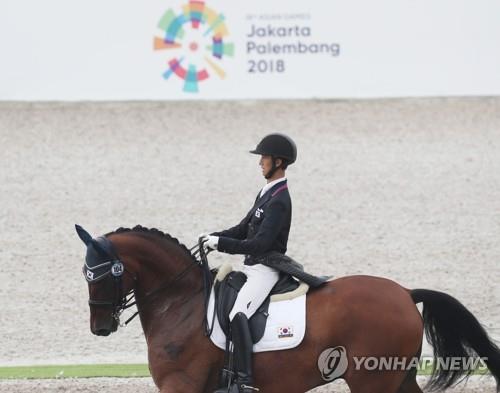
[277, 145]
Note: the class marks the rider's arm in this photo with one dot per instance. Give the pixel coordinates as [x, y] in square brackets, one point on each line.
[269, 229]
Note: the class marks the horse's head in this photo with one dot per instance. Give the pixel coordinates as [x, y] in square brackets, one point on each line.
[104, 272]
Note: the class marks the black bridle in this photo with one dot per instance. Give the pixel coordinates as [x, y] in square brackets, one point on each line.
[114, 270]
[122, 301]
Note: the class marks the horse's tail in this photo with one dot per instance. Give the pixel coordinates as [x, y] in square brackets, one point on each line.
[453, 331]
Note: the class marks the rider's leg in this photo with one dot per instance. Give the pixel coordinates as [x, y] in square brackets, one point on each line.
[260, 280]
[242, 341]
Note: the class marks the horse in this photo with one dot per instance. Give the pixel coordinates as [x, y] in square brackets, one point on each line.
[365, 315]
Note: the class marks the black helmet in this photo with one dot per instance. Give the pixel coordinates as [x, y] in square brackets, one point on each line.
[277, 145]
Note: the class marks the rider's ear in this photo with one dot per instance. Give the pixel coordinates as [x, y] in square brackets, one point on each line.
[83, 234]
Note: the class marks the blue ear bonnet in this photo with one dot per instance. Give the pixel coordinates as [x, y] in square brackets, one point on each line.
[101, 260]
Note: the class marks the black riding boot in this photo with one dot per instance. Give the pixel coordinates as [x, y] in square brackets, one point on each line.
[243, 346]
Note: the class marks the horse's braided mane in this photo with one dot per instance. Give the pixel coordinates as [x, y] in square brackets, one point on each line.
[155, 232]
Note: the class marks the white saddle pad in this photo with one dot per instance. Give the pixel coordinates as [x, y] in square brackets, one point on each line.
[285, 328]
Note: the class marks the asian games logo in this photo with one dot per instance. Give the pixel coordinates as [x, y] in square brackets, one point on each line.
[194, 39]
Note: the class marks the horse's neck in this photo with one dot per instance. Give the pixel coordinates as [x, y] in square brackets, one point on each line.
[168, 264]
[172, 321]
[163, 264]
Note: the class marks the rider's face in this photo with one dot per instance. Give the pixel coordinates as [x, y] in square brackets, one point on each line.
[266, 163]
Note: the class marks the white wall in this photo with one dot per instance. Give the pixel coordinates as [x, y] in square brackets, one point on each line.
[103, 50]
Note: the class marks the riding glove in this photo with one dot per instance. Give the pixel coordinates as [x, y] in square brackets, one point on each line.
[211, 241]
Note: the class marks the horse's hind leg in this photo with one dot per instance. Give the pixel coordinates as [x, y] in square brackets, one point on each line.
[410, 385]
[376, 383]
[386, 385]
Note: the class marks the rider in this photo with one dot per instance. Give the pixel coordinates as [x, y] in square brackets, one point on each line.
[264, 229]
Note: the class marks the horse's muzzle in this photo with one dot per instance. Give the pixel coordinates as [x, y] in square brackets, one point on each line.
[102, 332]
[103, 328]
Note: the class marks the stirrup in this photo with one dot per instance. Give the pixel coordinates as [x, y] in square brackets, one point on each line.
[250, 387]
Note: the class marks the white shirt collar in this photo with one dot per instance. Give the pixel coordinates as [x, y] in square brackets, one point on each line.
[268, 186]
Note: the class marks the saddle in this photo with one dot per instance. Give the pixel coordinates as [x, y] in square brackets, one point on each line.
[293, 282]
[226, 292]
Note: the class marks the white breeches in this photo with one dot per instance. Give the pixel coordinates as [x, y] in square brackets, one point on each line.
[260, 280]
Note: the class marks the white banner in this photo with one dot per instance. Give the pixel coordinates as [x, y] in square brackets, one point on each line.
[221, 49]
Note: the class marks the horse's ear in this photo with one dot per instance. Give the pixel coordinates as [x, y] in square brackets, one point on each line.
[83, 234]
[99, 248]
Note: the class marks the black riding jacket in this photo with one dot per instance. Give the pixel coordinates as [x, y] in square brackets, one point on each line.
[265, 228]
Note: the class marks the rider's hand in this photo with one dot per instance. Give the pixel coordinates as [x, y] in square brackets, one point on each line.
[211, 241]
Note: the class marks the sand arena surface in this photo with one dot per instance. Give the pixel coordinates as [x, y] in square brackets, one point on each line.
[145, 385]
[404, 189]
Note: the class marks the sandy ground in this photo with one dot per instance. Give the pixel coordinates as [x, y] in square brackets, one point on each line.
[404, 189]
[145, 385]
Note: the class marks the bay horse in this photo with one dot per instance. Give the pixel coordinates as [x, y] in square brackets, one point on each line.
[368, 316]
